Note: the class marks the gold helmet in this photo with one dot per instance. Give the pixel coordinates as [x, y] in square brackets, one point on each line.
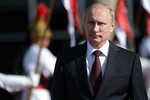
[38, 26]
[40, 30]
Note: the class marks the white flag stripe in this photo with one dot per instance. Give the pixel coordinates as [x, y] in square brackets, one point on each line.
[121, 35]
[146, 5]
[71, 29]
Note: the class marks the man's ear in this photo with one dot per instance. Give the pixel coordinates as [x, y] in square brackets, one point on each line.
[113, 26]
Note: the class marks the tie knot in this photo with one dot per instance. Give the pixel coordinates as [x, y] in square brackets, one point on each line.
[97, 53]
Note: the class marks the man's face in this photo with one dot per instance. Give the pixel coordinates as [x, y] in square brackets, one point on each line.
[44, 42]
[98, 26]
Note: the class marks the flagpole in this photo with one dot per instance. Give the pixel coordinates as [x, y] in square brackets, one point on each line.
[51, 7]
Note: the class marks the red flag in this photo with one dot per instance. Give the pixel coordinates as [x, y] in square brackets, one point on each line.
[146, 6]
[122, 18]
[148, 23]
[71, 28]
[73, 19]
[74, 8]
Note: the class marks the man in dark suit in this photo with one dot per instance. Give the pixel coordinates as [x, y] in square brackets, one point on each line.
[120, 76]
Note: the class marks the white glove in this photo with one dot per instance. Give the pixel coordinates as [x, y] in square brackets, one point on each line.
[35, 78]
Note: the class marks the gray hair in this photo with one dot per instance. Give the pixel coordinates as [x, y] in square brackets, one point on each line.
[102, 4]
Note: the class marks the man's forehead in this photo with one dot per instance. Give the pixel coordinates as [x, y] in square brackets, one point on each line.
[99, 7]
[100, 11]
[96, 8]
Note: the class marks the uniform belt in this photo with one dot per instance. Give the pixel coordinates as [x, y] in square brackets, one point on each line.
[40, 86]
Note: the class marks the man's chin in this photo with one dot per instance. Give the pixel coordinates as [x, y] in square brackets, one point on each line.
[96, 40]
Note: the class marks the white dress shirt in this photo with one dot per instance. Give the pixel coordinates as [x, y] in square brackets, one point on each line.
[103, 57]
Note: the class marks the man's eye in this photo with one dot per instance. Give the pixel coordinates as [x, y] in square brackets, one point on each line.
[101, 23]
[91, 22]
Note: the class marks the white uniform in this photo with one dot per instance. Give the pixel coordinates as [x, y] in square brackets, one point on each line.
[15, 83]
[46, 68]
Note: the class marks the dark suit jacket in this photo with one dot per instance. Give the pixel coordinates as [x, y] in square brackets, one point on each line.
[122, 79]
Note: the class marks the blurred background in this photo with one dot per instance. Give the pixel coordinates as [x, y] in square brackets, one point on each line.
[132, 31]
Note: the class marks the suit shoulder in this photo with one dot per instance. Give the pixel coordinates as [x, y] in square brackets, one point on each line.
[72, 52]
[127, 52]
[126, 55]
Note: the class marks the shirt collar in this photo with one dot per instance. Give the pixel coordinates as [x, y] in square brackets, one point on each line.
[104, 49]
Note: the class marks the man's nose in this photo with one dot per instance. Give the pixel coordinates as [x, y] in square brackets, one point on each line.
[95, 28]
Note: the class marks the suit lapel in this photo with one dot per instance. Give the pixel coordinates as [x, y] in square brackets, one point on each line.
[110, 69]
[82, 72]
